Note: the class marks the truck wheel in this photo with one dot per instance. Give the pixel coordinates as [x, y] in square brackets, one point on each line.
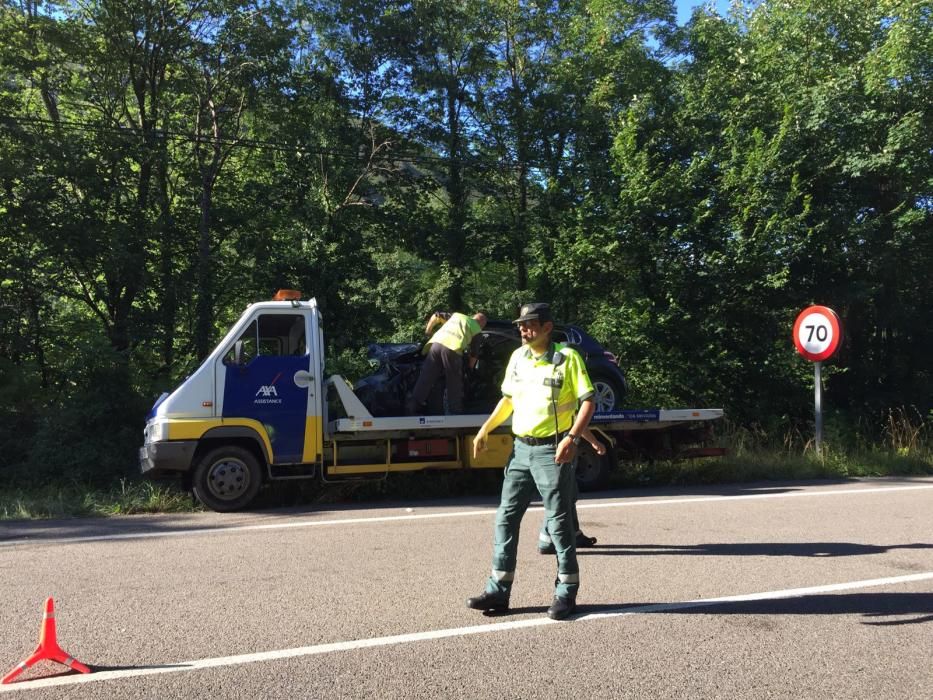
[227, 479]
[593, 471]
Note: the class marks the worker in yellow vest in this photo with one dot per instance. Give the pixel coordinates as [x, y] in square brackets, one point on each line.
[444, 356]
[542, 392]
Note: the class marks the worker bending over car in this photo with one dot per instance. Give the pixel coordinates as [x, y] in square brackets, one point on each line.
[444, 358]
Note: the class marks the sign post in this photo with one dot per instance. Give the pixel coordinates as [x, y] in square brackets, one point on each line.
[817, 334]
[818, 406]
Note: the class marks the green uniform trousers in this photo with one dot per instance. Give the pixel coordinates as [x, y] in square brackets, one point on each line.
[532, 469]
[544, 537]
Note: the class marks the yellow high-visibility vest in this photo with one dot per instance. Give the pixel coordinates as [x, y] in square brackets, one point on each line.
[542, 388]
[457, 332]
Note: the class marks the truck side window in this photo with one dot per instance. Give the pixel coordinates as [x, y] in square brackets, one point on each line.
[282, 334]
[248, 340]
[296, 337]
[270, 334]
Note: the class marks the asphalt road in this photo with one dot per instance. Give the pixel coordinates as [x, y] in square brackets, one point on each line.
[801, 590]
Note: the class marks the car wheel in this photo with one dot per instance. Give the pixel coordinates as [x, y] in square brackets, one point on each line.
[227, 479]
[608, 393]
[593, 470]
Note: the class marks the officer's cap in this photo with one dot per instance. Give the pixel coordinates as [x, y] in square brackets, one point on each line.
[530, 312]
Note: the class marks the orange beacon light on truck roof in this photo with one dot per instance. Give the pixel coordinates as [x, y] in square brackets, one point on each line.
[287, 295]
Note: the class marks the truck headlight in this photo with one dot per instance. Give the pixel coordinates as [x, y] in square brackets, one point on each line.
[156, 431]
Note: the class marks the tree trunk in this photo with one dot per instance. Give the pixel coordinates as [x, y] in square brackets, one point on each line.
[205, 272]
[166, 266]
[455, 189]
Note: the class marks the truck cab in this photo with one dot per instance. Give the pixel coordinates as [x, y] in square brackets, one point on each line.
[256, 400]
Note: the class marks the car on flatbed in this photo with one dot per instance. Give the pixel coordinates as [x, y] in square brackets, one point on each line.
[397, 366]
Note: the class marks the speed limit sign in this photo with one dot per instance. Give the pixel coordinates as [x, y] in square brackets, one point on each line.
[817, 333]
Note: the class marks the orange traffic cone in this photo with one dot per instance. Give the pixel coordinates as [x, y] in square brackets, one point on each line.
[48, 648]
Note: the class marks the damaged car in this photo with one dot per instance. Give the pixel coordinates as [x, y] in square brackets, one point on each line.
[398, 365]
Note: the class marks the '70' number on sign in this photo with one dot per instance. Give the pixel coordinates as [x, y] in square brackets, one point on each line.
[821, 333]
[816, 333]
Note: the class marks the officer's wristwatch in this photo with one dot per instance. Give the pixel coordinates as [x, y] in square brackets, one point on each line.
[575, 439]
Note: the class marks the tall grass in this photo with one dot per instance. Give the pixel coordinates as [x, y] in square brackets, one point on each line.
[906, 432]
[898, 442]
[81, 499]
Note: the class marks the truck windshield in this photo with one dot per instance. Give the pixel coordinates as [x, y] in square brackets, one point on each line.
[270, 334]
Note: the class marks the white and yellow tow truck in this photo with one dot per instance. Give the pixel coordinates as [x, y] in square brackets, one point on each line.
[259, 409]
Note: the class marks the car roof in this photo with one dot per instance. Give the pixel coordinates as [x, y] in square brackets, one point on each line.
[574, 334]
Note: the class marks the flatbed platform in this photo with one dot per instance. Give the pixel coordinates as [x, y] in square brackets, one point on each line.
[653, 419]
[361, 422]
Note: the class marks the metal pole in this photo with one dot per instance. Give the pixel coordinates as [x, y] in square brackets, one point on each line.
[818, 406]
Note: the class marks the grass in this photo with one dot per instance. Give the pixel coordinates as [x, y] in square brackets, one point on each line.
[81, 499]
[768, 465]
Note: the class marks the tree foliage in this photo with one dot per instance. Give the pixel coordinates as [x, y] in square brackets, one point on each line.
[682, 191]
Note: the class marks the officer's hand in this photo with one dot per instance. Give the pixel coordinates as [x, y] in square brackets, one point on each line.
[565, 451]
[479, 443]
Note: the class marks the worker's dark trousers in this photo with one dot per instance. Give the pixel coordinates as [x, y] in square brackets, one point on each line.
[531, 471]
[440, 359]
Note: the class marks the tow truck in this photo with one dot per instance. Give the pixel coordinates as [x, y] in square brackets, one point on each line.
[260, 409]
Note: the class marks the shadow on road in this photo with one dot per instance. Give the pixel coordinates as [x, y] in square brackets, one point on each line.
[744, 549]
[869, 605]
[527, 610]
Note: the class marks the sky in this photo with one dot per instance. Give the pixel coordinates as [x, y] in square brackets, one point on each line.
[685, 8]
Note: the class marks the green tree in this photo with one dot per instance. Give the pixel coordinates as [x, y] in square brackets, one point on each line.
[444, 48]
[771, 173]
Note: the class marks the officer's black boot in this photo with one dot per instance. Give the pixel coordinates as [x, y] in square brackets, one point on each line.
[561, 608]
[489, 602]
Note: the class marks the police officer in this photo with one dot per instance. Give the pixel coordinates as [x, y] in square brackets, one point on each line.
[541, 391]
[445, 355]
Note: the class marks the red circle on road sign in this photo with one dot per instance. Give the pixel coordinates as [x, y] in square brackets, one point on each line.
[817, 333]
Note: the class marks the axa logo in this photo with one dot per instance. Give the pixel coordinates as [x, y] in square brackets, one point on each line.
[267, 393]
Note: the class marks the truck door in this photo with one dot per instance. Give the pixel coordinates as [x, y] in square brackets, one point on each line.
[265, 377]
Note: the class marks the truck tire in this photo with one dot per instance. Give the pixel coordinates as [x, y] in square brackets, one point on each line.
[227, 478]
[593, 470]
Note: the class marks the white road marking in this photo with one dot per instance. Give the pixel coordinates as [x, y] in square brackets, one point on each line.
[396, 639]
[456, 514]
